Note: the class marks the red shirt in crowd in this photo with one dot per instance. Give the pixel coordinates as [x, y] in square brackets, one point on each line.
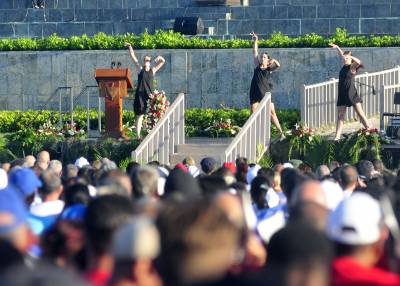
[348, 272]
[97, 277]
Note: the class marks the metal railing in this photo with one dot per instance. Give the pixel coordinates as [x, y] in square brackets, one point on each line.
[254, 137]
[387, 102]
[75, 102]
[160, 143]
[318, 101]
[50, 101]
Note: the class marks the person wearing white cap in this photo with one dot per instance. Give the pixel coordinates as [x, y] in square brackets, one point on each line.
[358, 230]
[81, 161]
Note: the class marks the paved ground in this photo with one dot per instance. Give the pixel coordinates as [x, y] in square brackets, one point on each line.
[329, 131]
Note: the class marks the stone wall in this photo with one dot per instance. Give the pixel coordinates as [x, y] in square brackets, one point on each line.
[291, 17]
[209, 77]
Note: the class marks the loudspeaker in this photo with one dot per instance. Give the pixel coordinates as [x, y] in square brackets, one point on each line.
[189, 25]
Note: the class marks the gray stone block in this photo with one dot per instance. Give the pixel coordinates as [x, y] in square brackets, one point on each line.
[280, 12]
[143, 3]
[94, 28]
[367, 26]
[68, 15]
[63, 4]
[386, 26]
[36, 15]
[287, 27]
[12, 15]
[332, 11]
[319, 26]
[116, 4]
[70, 29]
[102, 4]
[395, 10]
[87, 15]
[138, 14]
[371, 11]
[295, 12]
[18, 4]
[6, 4]
[49, 29]
[122, 28]
[129, 4]
[309, 11]
[304, 2]
[35, 30]
[351, 25]
[21, 30]
[90, 4]
[6, 30]
[55, 15]
[78, 4]
[354, 11]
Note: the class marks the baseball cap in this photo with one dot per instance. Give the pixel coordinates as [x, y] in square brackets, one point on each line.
[12, 211]
[25, 181]
[208, 164]
[82, 161]
[139, 238]
[252, 173]
[231, 166]
[357, 220]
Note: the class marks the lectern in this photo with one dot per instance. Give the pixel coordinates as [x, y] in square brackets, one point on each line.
[113, 86]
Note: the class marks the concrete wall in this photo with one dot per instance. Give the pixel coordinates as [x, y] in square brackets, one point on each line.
[209, 77]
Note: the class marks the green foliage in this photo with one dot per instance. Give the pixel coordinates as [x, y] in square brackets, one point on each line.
[171, 40]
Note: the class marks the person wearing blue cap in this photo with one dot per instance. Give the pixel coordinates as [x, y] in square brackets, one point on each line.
[13, 221]
[25, 182]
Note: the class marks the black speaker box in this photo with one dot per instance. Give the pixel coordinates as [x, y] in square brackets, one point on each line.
[189, 25]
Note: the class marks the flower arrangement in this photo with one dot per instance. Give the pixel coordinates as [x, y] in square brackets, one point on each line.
[222, 128]
[366, 141]
[69, 130]
[157, 106]
[301, 138]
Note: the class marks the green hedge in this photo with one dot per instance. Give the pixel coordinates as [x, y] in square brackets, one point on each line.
[197, 119]
[170, 40]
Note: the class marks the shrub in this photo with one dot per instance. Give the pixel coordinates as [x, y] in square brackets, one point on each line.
[171, 40]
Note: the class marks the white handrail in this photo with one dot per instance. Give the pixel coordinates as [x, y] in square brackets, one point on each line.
[254, 137]
[160, 143]
[387, 102]
[318, 101]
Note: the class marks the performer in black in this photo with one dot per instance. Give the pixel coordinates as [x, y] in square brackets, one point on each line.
[261, 82]
[38, 4]
[144, 86]
[348, 95]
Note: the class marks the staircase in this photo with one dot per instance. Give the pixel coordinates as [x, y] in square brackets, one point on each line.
[167, 144]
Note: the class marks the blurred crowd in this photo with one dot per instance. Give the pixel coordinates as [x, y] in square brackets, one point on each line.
[198, 223]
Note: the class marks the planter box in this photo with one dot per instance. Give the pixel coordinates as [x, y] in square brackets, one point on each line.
[218, 2]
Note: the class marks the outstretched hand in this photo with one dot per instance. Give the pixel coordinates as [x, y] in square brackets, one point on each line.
[332, 45]
[254, 36]
[127, 45]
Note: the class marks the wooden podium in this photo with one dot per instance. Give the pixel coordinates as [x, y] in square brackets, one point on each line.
[113, 86]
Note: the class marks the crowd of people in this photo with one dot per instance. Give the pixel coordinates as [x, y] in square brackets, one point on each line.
[197, 223]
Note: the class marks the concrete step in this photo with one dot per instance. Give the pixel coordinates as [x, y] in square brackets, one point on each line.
[178, 158]
[199, 148]
[212, 149]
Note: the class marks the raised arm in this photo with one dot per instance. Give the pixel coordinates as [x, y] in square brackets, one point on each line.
[133, 56]
[356, 64]
[160, 61]
[340, 51]
[255, 48]
[275, 64]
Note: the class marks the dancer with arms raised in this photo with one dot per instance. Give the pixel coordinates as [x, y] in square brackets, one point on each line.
[348, 95]
[261, 82]
[144, 85]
